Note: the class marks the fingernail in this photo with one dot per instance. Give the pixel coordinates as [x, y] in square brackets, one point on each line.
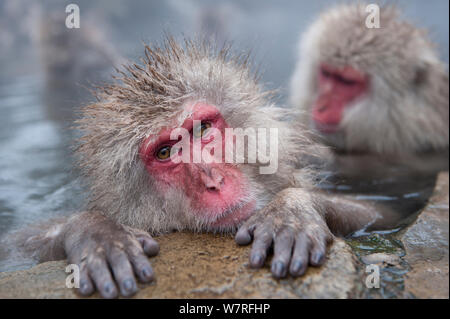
[151, 248]
[256, 260]
[108, 288]
[128, 284]
[317, 258]
[83, 286]
[243, 238]
[278, 269]
[155, 248]
[146, 272]
[296, 266]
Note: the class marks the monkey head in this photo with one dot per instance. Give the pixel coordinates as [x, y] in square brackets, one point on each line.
[377, 90]
[218, 192]
[133, 162]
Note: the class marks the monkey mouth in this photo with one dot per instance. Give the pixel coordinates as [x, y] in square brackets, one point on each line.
[234, 215]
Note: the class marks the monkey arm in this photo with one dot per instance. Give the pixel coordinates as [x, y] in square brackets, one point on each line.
[344, 215]
[300, 224]
[102, 248]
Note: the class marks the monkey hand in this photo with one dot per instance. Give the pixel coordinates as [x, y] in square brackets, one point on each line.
[297, 230]
[107, 254]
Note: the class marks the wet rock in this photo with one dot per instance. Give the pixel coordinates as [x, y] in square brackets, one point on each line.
[381, 258]
[426, 245]
[213, 276]
[204, 266]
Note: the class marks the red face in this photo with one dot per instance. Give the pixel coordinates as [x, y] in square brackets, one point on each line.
[338, 87]
[217, 191]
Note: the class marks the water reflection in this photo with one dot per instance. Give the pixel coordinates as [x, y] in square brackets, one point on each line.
[402, 186]
[36, 181]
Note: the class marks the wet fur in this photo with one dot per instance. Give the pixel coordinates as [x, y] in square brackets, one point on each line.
[144, 99]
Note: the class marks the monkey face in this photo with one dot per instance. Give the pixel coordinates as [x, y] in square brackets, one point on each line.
[371, 90]
[191, 159]
[337, 89]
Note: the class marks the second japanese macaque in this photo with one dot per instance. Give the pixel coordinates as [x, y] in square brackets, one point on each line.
[138, 154]
[379, 91]
[71, 61]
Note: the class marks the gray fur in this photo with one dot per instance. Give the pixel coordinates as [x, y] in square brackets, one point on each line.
[143, 100]
[407, 110]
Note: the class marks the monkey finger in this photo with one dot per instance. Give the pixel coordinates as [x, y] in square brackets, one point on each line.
[318, 252]
[282, 253]
[149, 245]
[262, 242]
[123, 272]
[100, 274]
[86, 285]
[243, 235]
[300, 256]
[142, 267]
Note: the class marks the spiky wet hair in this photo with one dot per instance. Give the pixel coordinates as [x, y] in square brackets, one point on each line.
[408, 110]
[146, 97]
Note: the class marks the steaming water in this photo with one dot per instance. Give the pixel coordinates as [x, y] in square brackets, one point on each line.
[36, 178]
[405, 194]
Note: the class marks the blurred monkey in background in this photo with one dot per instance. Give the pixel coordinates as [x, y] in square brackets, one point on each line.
[379, 91]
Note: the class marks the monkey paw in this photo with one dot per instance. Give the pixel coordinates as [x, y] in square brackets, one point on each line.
[110, 256]
[299, 236]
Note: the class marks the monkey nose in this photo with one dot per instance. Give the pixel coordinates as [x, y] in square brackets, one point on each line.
[321, 108]
[213, 181]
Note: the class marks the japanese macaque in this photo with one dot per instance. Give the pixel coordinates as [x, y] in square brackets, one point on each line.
[130, 157]
[379, 90]
[71, 59]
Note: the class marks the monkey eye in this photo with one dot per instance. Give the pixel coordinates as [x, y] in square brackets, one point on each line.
[337, 77]
[163, 153]
[345, 81]
[199, 130]
[326, 73]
